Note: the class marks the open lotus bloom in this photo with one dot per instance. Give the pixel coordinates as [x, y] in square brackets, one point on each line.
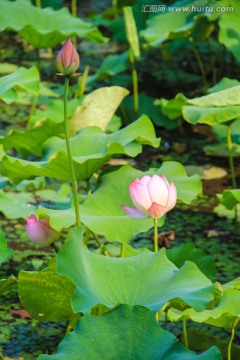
[153, 196]
[67, 60]
[39, 231]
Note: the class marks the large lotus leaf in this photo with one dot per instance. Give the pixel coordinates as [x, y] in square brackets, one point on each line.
[17, 205]
[127, 332]
[44, 28]
[222, 211]
[102, 212]
[183, 24]
[91, 148]
[230, 198]
[30, 141]
[223, 84]
[21, 81]
[224, 314]
[148, 279]
[228, 97]
[230, 28]
[189, 252]
[112, 65]
[46, 295]
[210, 116]
[97, 108]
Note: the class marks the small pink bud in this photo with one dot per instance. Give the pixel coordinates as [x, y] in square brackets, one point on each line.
[67, 60]
[153, 196]
[39, 231]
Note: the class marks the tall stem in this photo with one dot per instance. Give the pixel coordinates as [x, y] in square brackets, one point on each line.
[200, 63]
[232, 337]
[135, 82]
[185, 336]
[38, 4]
[74, 14]
[70, 159]
[232, 170]
[155, 235]
[122, 251]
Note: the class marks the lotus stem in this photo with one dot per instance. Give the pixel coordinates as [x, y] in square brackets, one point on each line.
[232, 170]
[38, 4]
[232, 337]
[122, 251]
[82, 82]
[155, 235]
[135, 82]
[69, 151]
[199, 61]
[185, 335]
[32, 110]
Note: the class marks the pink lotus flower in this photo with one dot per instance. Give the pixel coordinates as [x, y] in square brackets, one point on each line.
[67, 60]
[152, 195]
[39, 231]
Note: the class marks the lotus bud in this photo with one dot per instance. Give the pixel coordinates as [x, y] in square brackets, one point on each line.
[67, 60]
[153, 196]
[40, 231]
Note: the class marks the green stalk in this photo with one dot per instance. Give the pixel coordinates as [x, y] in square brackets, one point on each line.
[232, 337]
[38, 4]
[185, 336]
[1, 356]
[122, 251]
[55, 248]
[74, 14]
[70, 159]
[155, 235]
[200, 63]
[135, 82]
[32, 110]
[82, 82]
[232, 170]
[89, 191]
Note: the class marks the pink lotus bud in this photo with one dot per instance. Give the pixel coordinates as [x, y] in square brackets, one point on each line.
[40, 231]
[152, 195]
[67, 60]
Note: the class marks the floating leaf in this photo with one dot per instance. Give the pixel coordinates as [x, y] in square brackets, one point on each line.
[44, 28]
[147, 279]
[21, 81]
[46, 295]
[114, 330]
[91, 148]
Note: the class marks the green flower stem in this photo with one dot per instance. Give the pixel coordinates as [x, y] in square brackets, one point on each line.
[97, 239]
[155, 235]
[89, 191]
[232, 337]
[82, 82]
[38, 4]
[185, 336]
[135, 82]
[199, 61]
[1, 356]
[32, 110]
[232, 170]
[122, 251]
[70, 159]
[74, 14]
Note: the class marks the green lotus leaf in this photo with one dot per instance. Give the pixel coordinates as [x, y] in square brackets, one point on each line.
[44, 28]
[127, 332]
[20, 81]
[148, 279]
[102, 212]
[230, 198]
[91, 148]
[46, 295]
[224, 314]
[229, 28]
[24, 204]
[97, 108]
[183, 24]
